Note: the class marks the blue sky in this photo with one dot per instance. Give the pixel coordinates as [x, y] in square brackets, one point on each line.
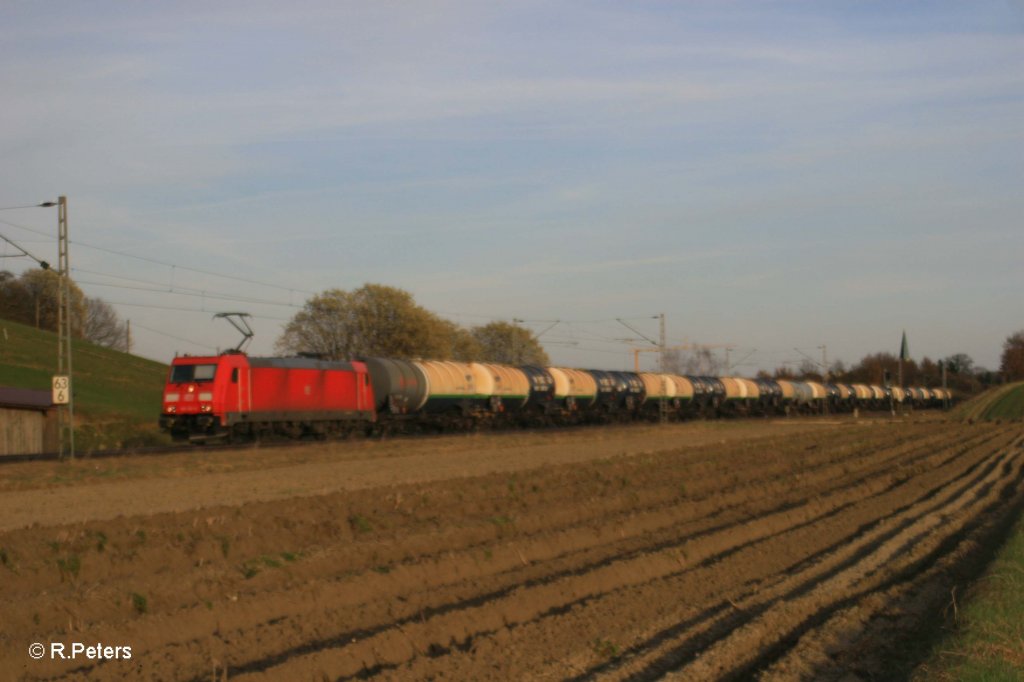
[769, 175]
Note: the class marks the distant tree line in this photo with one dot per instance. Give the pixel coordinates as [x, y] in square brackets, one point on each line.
[379, 320]
[962, 374]
[31, 299]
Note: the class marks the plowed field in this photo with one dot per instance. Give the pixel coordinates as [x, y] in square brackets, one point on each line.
[785, 550]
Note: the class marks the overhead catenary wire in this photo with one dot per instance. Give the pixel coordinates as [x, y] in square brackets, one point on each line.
[189, 310]
[197, 293]
[191, 269]
[156, 261]
[178, 289]
[25, 252]
[172, 336]
[575, 330]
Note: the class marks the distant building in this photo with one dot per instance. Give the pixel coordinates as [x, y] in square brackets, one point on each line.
[28, 422]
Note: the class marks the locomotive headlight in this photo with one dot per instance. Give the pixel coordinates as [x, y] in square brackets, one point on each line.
[206, 396]
[172, 409]
[206, 408]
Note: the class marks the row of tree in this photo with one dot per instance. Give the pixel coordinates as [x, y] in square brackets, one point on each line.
[378, 320]
[962, 374]
[31, 299]
[386, 321]
[882, 368]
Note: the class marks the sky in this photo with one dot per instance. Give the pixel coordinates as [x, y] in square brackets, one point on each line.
[772, 176]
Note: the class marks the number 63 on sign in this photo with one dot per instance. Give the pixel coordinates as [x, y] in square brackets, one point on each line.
[61, 389]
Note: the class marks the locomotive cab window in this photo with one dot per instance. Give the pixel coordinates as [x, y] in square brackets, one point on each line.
[181, 374]
[234, 375]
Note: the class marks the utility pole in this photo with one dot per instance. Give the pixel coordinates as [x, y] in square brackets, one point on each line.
[515, 340]
[945, 391]
[127, 336]
[61, 383]
[661, 342]
[660, 348]
[65, 418]
[663, 408]
[824, 377]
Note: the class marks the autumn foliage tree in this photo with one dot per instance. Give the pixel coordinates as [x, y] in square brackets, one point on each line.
[371, 320]
[1012, 363]
[457, 343]
[31, 299]
[378, 320]
[509, 344]
[872, 368]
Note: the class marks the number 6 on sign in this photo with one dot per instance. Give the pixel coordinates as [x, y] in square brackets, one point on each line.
[61, 389]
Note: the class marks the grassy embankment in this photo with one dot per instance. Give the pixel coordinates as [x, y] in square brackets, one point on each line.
[117, 395]
[989, 643]
[1004, 402]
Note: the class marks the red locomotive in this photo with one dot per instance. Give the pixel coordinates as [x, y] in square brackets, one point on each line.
[212, 397]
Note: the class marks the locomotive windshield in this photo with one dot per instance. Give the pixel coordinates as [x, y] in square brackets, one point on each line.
[181, 374]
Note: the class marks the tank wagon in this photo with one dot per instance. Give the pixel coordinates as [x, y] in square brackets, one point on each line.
[233, 395]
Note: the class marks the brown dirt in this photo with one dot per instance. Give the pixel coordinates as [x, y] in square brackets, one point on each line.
[785, 550]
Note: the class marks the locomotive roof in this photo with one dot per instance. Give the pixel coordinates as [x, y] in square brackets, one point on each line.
[299, 363]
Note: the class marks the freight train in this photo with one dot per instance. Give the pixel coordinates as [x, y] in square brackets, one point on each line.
[236, 397]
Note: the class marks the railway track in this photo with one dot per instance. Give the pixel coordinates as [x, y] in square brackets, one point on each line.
[158, 450]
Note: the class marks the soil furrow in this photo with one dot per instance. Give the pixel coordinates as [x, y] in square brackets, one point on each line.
[639, 571]
[693, 584]
[278, 618]
[740, 649]
[631, 556]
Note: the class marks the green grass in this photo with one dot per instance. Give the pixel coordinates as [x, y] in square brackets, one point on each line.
[359, 524]
[1003, 402]
[989, 645]
[117, 395]
[139, 603]
[1010, 405]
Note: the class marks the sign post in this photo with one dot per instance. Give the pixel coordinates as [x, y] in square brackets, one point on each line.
[61, 389]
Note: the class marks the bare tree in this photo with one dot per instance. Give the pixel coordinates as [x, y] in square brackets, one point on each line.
[701, 362]
[672, 361]
[102, 325]
[960, 363]
[809, 370]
